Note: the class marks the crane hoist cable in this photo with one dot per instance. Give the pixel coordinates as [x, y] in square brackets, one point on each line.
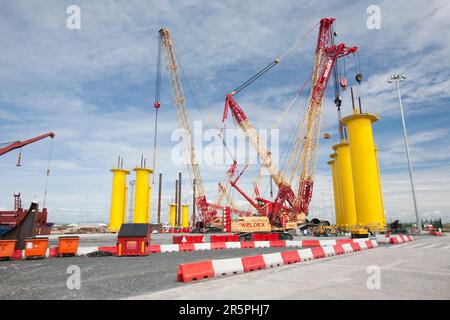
[49, 161]
[157, 103]
[277, 60]
[204, 111]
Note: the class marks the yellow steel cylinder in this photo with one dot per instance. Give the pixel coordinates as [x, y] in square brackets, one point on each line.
[344, 168]
[125, 201]
[380, 187]
[369, 207]
[185, 215]
[337, 208]
[338, 195]
[118, 199]
[172, 213]
[141, 195]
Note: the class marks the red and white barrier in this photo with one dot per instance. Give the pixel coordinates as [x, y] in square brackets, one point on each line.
[394, 239]
[183, 247]
[156, 248]
[436, 233]
[216, 268]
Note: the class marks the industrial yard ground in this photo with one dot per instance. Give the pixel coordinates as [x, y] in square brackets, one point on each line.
[414, 270]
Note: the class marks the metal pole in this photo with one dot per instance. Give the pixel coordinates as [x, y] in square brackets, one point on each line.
[176, 202]
[159, 198]
[179, 200]
[419, 225]
[193, 203]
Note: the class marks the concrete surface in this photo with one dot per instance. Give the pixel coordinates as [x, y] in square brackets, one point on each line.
[414, 270]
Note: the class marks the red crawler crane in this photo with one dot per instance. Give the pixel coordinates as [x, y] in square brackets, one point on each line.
[301, 163]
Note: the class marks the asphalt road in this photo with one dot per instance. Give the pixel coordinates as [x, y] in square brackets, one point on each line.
[103, 277]
[414, 270]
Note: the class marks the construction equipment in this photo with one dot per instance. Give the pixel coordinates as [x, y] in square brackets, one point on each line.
[20, 223]
[290, 206]
[19, 144]
[205, 211]
[224, 186]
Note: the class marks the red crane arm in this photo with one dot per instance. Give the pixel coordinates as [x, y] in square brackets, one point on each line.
[20, 144]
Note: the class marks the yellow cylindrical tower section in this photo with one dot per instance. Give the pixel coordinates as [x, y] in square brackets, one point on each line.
[340, 205]
[185, 215]
[124, 219]
[337, 208]
[141, 195]
[172, 213]
[380, 186]
[118, 199]
[344, 168]
[366, 181]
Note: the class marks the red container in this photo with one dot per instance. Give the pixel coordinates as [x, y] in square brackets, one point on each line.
[133, 239]
[7, 249]
[35, 248]
[131, 246]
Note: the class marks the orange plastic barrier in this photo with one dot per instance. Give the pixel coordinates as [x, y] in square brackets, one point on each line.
[224, 238]
[355, 246]
[218, 245]
[318, 252]
[7, 248]
[339, 249]
[35, 247]
[253, 263]
[310, 243]
[290, 257]
[277, 243]
[195, 271]
[265, 236]
[186, 247]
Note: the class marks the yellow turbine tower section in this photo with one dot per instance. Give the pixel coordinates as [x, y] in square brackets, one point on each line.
[338, 194]
[142, 195]
[172, 213]
[366, 179]
[379, 185]
[185, 216]
[344, 170]
[124, 219]
[337, 207]
[118, 199]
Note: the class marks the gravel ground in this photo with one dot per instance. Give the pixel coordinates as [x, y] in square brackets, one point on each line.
[103, 277]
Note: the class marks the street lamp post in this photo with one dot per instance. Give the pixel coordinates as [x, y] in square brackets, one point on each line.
[399, 78]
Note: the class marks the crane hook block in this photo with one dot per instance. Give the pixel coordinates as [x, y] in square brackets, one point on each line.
[343, 83]
[157, 105]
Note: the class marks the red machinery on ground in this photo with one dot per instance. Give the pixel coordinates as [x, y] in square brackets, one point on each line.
[20, 223]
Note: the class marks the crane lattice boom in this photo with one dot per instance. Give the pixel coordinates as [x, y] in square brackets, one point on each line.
[304, 151]
[183, 123]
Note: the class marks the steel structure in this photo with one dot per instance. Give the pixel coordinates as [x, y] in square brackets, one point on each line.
[205, 210]
[301, 163]
[19, 144]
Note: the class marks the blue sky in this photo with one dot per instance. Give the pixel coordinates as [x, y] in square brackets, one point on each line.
[94, 88]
